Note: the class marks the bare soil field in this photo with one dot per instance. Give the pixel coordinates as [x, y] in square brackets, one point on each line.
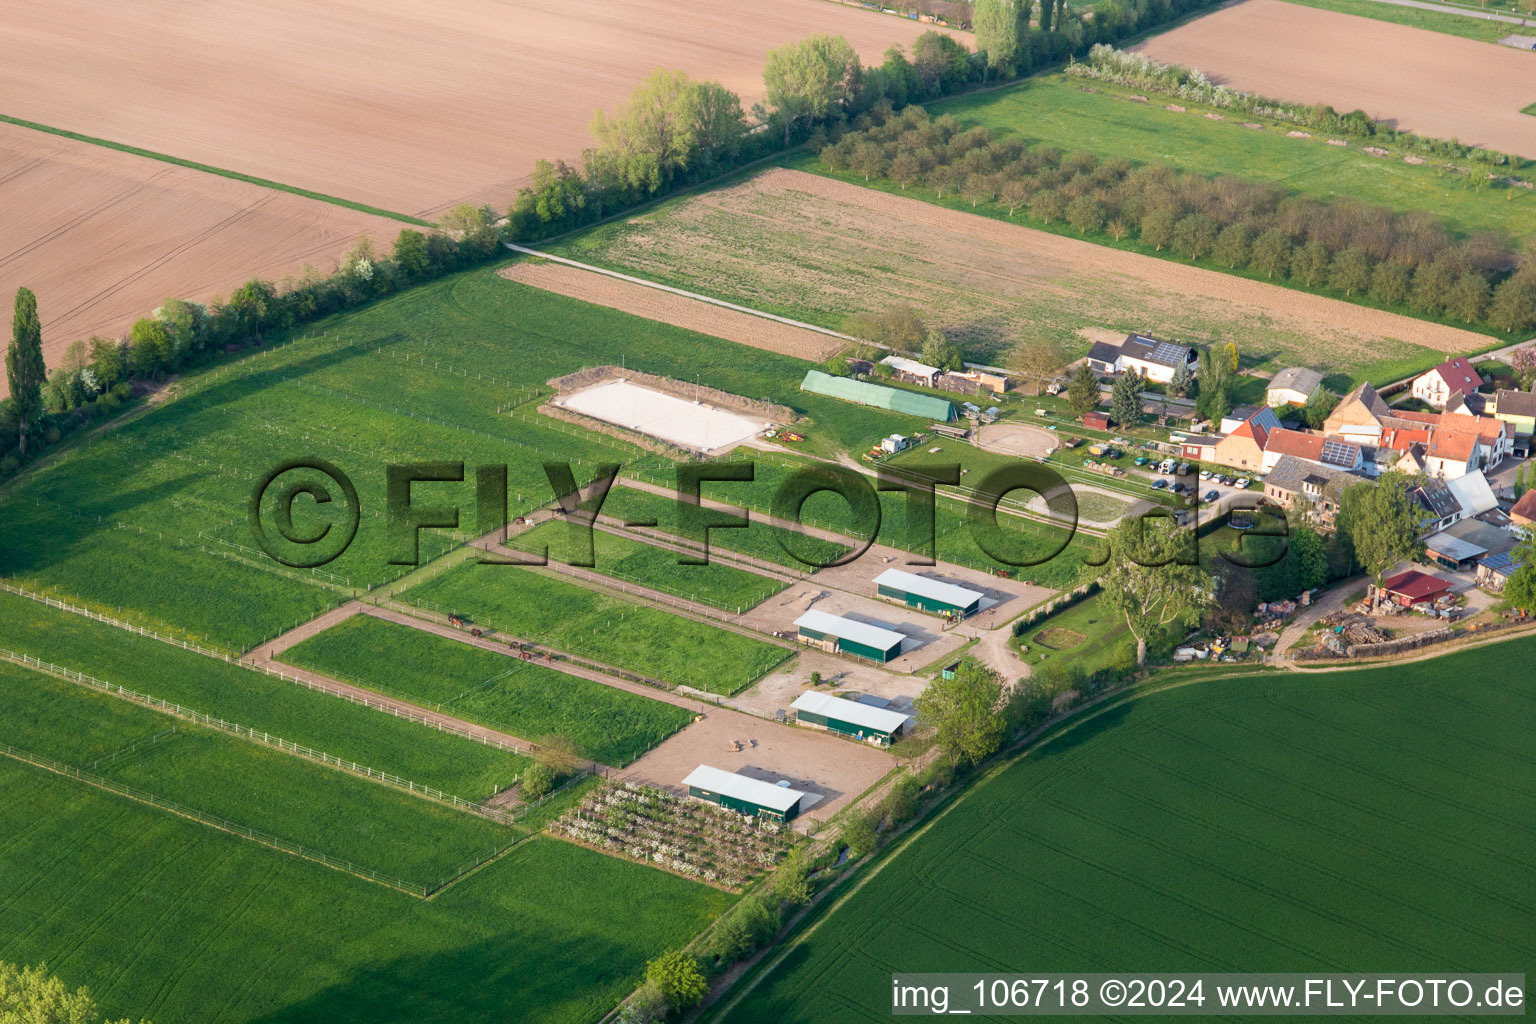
[102, 236]
[1429, 82]
[678, 310]
[405, 106]
[818, 249]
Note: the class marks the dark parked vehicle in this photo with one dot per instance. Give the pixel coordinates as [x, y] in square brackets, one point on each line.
[1212, 495]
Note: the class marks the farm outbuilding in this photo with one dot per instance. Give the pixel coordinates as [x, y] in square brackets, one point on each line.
[865, 393]
[926, 594]
[1411, 587]
[742, 794]
[848, 636]
[849, 717]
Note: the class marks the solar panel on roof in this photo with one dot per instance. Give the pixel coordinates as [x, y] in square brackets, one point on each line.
[1338, 453]
[1168, 352]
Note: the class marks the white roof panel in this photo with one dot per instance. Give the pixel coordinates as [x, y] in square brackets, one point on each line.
[869, 717]
[848, 629]
[924, 586]
[764, 794]
[912, 366]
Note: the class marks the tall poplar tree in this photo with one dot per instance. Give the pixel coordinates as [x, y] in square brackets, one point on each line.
[24, 369]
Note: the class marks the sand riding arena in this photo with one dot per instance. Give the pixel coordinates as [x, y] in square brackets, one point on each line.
[1018, 439]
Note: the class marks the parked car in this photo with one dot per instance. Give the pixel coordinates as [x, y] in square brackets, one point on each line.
[1205, 474]
[1242, 483]
[1177, 488]
[1212, 495]
[1159, 484]
[1141, 460]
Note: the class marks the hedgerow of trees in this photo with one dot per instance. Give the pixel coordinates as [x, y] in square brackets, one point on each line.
[1407, 260]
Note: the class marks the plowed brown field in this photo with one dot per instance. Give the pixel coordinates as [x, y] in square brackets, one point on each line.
[102, 237]
[1428, 82]
[820, 249]
[403, 105]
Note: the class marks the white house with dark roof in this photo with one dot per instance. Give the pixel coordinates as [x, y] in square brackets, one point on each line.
[1292, 386]
[1151, 357]
[1454, 376]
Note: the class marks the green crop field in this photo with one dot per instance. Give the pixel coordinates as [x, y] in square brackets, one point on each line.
[255, 700]
[636, 637]
[253, 785]
[1416, 17]
[761, 539]
[178, 923]
[524, 698]
[633, 561]
[1372, 820]
[1055, 110]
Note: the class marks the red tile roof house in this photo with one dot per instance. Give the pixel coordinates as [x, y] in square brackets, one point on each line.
[1454, 376]
[1524, 512]
[1411, 587]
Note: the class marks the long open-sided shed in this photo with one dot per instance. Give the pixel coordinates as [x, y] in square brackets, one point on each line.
[849, 717]
[743, 794]
[835, 633]
[926, 594]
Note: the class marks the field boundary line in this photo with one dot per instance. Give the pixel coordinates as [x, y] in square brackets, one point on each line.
[201, 818]
[249, 179]
[247, 733]
[264, 669]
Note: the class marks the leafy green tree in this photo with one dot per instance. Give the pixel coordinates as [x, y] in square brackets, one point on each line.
[963, 711]
[474, 226]
[1214, 400]
[939, 351]
[108, 362]
[1318, 407]
[1194, 235]
[182, 320]
[1351, 271]
[1157, 227]
[791, 879]
[1380, 522]
[1153, 577]
[1233, 245]
[747, 926]
[1310, 263]
[678, 979]
[1432, 284]
[1272, 253]
[1047, 205]
[654, 134]
[1514, 306]
[905, 169]
[1468, 297]
[149, 347]
[538, 779]
[25, 370]
[898, 328]
[410, 254]
[30, 995]
[1036, 361]
[858, 834]
[1311, 556]
[1085, 214]
[1183, 381]
[1001, 28]
[1083, 391]
[250, 306]
[1520, 589]
[806, 80]
[1125, 399]
[1390, 282]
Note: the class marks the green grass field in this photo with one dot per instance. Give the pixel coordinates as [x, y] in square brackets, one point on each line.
[1354, 821]
[253, 785]
[632, 561]
[759, 540]
[636, 637]
[255, 700]
[1054, 110]
[1090, 634]
[181, 924]
[523, 698]
[1414, 17]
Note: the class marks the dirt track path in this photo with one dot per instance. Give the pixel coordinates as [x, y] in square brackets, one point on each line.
[1332, 601]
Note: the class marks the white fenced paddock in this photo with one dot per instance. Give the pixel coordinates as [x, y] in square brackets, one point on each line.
[699, 427]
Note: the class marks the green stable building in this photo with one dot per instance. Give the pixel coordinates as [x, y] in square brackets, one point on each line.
[878, 396]
[744, 795]
[927, 594]
[849, 717]
[846, 636]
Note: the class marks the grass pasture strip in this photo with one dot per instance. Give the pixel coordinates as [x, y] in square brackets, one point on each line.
[220, 171]
[351, 732]
[634, 561]
[1058, 111]
[150, 909]
[340, 815]
[526, 699]
[760, 540]
[1336, 821]
[635, 637]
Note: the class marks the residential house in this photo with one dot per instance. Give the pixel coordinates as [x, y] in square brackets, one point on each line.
[1152, 358]
[1313, 448]
[1518, 409]
[1358, 416]
[1449, 501]
[1523, 514]
[1243, 447]
[1435, 387]
[1321, 487]
[1460, 547]
[1293, 386]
